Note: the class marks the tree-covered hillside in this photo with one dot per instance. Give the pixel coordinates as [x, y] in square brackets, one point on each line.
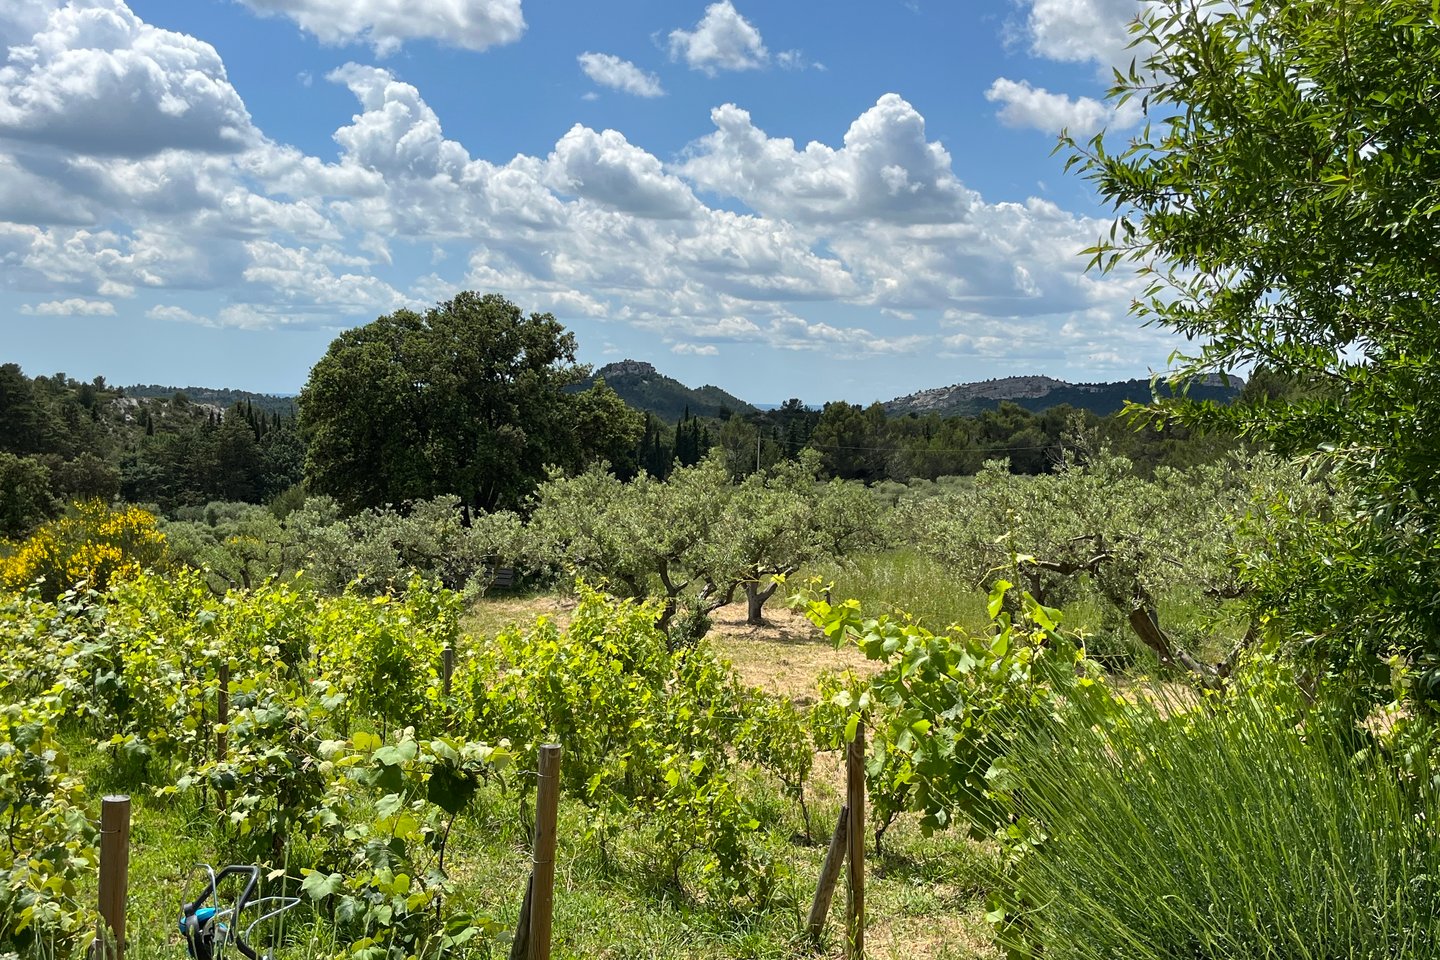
[221, 397]
[649, 391]
[63, 439]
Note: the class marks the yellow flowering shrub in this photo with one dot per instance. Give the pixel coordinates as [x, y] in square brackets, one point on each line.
[93, 543]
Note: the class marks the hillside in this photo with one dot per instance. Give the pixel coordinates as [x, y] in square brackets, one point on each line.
[1042, 393]
[643, 387]
[220, 398]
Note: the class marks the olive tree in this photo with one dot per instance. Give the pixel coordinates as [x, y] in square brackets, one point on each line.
[1133, 538]
[698, 539]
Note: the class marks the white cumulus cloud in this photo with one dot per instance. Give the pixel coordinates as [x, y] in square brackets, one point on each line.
[175, 314]
[95, 79]
[722, 40]
[1081, 31]
[886, 169]
[388, 24]
[1022, 105]
[608, 169]
[610, 71]
[73, 307]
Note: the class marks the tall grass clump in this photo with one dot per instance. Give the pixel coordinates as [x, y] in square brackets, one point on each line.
[904, 579]
[1232, 828]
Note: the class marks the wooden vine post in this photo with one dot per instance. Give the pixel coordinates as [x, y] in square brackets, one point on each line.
[114, 877]
[537, 910]
[547, 802]
[447, 671]
[855, 801]
[829, 876]
[222, 727]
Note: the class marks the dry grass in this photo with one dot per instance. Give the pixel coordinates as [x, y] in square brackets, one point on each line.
[491, 615]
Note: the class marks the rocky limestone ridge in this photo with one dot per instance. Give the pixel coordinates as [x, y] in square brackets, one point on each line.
[1039, 392]
[627, 368]
[1004, 388]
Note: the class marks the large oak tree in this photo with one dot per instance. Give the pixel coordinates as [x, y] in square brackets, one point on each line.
[467, 399]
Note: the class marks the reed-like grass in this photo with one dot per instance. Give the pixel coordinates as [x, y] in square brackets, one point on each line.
[906, 580]
[1228, 833]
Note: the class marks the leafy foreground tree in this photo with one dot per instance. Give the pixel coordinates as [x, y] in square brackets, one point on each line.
[466, 399]
[1282, 199]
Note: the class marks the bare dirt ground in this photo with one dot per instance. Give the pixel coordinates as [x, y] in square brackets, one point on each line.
[785, 655]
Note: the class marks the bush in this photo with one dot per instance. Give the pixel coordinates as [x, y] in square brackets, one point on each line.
[1227, 830]
[93, 543]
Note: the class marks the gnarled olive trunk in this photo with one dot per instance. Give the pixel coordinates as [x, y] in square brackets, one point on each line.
[755, 601]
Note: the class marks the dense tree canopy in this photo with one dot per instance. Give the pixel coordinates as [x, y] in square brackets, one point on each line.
[93, 441]
[1283, 197]
[467, 399]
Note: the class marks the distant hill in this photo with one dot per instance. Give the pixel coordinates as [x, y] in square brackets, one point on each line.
[213, 397]
[1042, 393]
[643, 387]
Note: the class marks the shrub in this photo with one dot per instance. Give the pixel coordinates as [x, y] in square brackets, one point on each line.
[93, 543]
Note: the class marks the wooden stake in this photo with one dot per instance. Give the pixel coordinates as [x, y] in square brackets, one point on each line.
[222, 733]
[222, 714]
[855, 797]
[448, 671]
[829, 876]
[114, 877]
[547, 801]
[520, 946]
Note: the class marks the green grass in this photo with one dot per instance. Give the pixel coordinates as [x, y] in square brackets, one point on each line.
[1231, 832]
[905, 580]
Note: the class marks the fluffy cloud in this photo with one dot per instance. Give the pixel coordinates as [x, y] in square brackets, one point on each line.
[606, 168]
[397, 133]
[887, 170]
[387, 24]
[241, 316]
[794, 333]
[22, 19]
[610, 71]
[306, 277]
[74, 307]
[1025, 106]
[1081, 31]
[175, 314]
[33, 196]
[722, 40]
[96, 80]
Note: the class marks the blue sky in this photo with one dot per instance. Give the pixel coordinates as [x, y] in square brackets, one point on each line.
[830, 200]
